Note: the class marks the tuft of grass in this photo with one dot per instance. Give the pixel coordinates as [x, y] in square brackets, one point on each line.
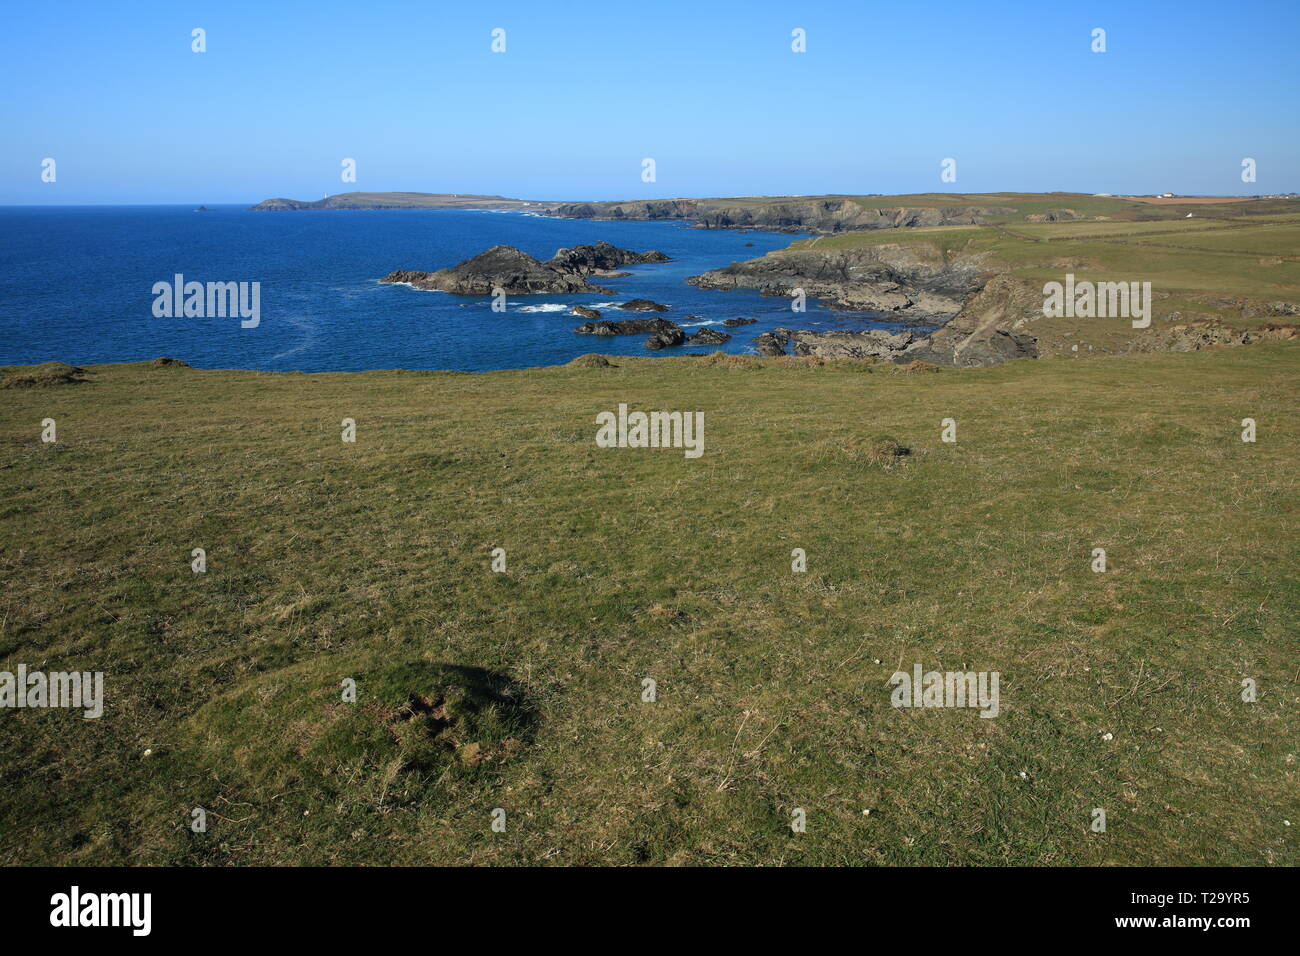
[47, 375]
[591, 360]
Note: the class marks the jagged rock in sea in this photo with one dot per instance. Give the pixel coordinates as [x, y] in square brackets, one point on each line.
[515, 271]
[707, 337]
[584, 312]
[735, 323]
[501, 267]
[599, 259]
[666, 338]
[770, 343]
[643, 305]
[626, 327]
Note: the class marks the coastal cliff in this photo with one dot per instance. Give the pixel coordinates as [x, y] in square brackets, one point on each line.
[827, 215]
[981, 313]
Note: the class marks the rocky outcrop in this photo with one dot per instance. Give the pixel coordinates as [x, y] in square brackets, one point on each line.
[666, 338]
[917, 280]
[584, 312]
[515, 271]
[982, 315]
[771, 343]
[626, 327]
[1194, 336]
[643, 305]
[829, 214]
[1055, 215]
[599, 259]
[873, 343]
[989, 329]
[708, 337]
[736, 323]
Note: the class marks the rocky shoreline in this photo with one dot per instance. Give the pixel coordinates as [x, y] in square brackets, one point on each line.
[982, 315]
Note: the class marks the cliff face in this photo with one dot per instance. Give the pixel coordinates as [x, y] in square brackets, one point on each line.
[987, 330]
[917, 280]
[824, 216]
[981, 314]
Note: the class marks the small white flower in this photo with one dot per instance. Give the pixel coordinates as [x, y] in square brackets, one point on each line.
[867, 813]
[1022, 775]
[1107, 736]
[1286, 823]
[147, 752]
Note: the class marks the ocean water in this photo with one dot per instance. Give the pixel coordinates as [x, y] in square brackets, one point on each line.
[76, 286]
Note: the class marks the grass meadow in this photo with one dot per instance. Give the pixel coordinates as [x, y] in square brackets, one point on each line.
[522, 690]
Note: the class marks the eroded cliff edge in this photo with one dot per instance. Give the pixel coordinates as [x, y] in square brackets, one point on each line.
[981, 312]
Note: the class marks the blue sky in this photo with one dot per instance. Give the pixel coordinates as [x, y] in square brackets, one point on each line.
[585, 91]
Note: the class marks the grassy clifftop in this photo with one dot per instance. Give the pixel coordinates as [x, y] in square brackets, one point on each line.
[523, 690]
[1237, 270]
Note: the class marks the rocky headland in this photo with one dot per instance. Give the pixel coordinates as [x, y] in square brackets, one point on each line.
[402, 200]
[981, 314]
[917, 281]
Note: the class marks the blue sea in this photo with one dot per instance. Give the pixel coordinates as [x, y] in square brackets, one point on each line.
[76, 286]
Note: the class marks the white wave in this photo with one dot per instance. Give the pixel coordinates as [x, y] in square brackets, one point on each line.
[548, 307]
[692, 325]
[409, 286]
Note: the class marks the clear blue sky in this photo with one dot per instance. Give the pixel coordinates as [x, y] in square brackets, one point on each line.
[584, 91]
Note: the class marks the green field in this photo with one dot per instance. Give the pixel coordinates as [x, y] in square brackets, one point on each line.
[1230, 264]
[523, 690]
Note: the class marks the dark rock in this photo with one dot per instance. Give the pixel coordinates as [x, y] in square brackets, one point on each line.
[514, 271]
[585, 312]
[625, 327]
[600, 258]
[708, 337]
[501, 267]
[643, 305]
[770, 343]
[665, 339]
[734, 323]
